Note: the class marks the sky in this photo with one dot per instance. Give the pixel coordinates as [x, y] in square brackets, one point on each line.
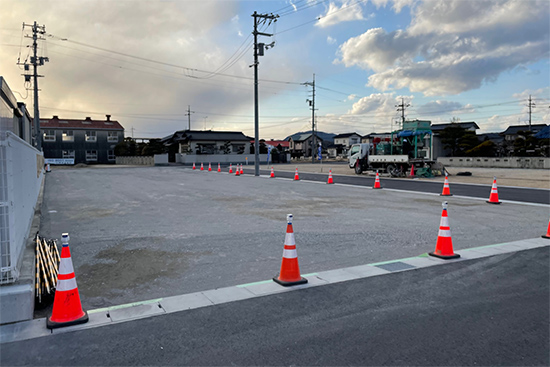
[147, 63]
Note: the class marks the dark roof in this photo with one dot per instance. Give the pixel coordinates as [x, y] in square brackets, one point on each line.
[464, 125]
[57, 123]
[346, 135]
[274, 143]
[320, 134]
[495, 137]
[544, 133]
[514, 129]
[201, 135]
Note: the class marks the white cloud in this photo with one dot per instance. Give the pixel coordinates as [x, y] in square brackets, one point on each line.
[349, 11]
[452, 46]
[330, 40]
[442, 108]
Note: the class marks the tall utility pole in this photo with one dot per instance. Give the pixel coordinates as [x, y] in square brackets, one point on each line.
[401, 107]
[188, 114]
[312, 105]
[531, 104]
[259, 51]
[36, 61]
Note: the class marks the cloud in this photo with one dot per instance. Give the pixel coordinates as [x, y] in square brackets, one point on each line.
[349, 11]
[436, 108]
[330, 40]
[452, 46]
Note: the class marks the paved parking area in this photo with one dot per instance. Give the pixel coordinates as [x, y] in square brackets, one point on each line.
[145, 233]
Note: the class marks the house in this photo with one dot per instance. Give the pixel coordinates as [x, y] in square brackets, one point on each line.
[438, 149]
[512, 132]
[208, 142]
[80, 141]
[14, 115]
[300, 145]
[283, 145]
[342, 143]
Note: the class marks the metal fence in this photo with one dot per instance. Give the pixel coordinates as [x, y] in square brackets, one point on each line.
[21, 175]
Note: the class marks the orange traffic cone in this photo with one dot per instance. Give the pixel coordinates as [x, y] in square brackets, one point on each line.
[290, 271]
[209, 167]
[446, 188]
[330, 177]
[67, 309]
[493, 198]
[230, 167]
[272, 173]
[219, 168]
[547, 235]
[202, 166]
[237, 171]
[377, 182]
[242, 171]
[48, 169]
[412, 171]
[194, 165]
[444, 245]
[296, 177]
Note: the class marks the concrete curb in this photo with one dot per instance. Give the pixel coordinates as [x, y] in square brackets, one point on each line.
[137, 310]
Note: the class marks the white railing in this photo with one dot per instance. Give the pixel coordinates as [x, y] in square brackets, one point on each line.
[21, 175]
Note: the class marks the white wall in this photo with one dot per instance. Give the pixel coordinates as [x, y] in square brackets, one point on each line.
[221, 158]
[21, 175]
[491, 162]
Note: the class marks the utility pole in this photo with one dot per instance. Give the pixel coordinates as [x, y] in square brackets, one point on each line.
[531, 104]
[259, 51]
[312, 105]
[401, 107]
[36, 61]
[188, 114]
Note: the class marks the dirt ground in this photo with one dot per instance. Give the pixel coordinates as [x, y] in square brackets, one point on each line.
[537, 178]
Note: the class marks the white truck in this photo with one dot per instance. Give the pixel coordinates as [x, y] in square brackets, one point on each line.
[399, 165]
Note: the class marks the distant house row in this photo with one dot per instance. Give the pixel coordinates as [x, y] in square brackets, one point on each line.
[93, 141]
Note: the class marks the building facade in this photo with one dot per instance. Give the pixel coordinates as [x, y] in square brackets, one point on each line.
[82, 141]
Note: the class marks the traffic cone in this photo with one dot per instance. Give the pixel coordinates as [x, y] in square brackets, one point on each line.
[209, 167]
[296, 177]
[202, 166]
[290, 271]
[219, 167]
[412, 171]
[67, 309]
[242, 171]
[444, 245]
[547, 235]
[446, 188]
[377, 181]
[230, 167]
[237, 171]
[48, 169]
[272, 173]
[493, 198]
[194, 165]
[330, 177]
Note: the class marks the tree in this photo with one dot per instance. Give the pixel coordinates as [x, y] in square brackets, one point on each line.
[526, 145]
[153, 147]
[127, 147]
[485, 149]
[458, 139]
[226, 148]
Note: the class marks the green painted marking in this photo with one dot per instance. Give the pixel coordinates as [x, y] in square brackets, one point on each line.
[125, 305]
[247, 284]
[425, 254]
[309, 275]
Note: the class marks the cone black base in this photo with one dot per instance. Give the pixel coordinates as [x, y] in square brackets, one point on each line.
[288, 284]
[444, 257]
[54, 325]
[446, 195]
[494, 202]
[545, 236]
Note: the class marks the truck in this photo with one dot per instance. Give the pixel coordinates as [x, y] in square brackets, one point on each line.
[407, 147]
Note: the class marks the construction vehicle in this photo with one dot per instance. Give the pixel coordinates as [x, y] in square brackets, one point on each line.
[396, 154]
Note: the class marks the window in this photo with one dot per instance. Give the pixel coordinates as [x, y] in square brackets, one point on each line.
[111, 155]
[68, 135]
[355, 149]
[91, 155]
[237, 148]
[90, 135]
[112, 136]
[68, 154]
[49, 135]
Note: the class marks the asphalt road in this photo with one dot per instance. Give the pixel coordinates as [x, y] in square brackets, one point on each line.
[491, 311]
[150, 232]
[529, 195]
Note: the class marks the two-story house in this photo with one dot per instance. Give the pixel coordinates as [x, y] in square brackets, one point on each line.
[208, 142]
[300, 145]
[82, 141]
[342, 143]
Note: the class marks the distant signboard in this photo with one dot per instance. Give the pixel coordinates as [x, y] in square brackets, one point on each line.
[59, 161]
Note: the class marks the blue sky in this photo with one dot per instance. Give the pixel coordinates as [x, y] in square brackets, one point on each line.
[471, 60]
